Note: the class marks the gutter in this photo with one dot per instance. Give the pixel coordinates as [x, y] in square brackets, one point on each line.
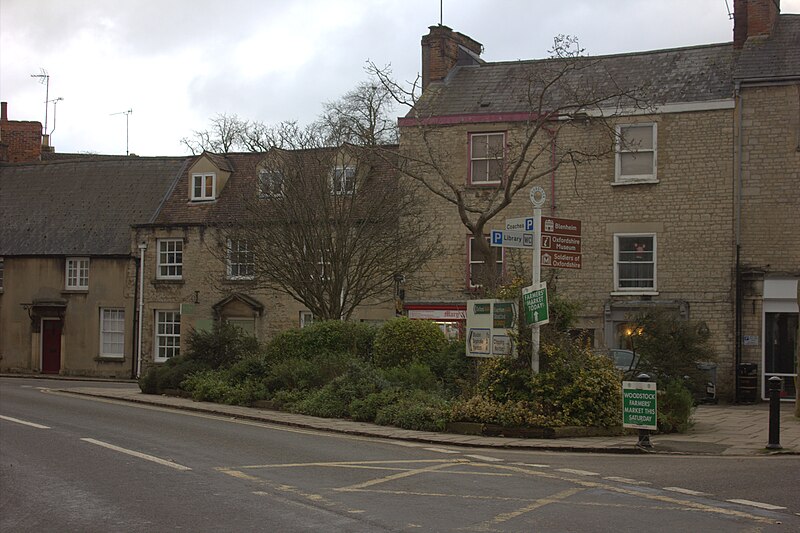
[738, 240]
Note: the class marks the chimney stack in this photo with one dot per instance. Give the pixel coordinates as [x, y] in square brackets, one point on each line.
[753, 18]
[4, 111]
[443, 49]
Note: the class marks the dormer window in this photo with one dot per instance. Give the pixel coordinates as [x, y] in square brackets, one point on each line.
[270, 183]
[343, 180]
[204, 187]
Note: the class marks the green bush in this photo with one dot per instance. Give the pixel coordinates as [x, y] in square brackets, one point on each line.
[217, 386]
[504, 379]
[675, 407]
[454, 370]
[410, 377]
[366, 409]
[402, 340]
[485, 410]
[321, 338]
[333, 400]
[223, 346]
[168, 376]
[417, 410]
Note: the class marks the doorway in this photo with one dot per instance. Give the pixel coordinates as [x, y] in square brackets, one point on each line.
[51, 346]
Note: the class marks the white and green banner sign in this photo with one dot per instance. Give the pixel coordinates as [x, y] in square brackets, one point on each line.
[639, 405]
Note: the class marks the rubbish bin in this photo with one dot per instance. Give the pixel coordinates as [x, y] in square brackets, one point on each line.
[748, 383]
[710, 370]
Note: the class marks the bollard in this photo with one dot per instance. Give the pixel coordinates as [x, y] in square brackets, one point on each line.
[774, 413]
[644, 434]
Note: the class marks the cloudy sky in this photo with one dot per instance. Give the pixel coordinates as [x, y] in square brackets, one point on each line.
[176, 63]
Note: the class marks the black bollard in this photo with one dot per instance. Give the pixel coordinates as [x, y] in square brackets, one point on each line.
[774, 413]
[644, 434]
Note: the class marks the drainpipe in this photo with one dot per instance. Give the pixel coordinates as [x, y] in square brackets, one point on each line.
[738, 231]
[142, 248]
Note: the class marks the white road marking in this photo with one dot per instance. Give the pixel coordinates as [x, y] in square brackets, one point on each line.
[686, 491]
[440, 450]
[485, 458]
[627, 480]
[577, 472]
[532, 465]
[18, 421]
[760, 505]
[140, 455]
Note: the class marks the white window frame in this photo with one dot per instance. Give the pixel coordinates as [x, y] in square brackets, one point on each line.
[169, 340]
[471, 261]
[343, 180]
[621, 150]
[270, 183]
[204, 178]
[234, 269]
[76, 274]
[169, 262]
[489, 157]
[636, 290]
[107, 324]
[306, 318]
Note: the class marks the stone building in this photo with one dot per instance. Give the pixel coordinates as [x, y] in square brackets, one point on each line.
[671, 217]
[66, 271]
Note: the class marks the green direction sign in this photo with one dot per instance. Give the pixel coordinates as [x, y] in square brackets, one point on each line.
[639, 405]
[534, 300]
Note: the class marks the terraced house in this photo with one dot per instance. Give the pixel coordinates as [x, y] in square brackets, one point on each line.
[680, 164]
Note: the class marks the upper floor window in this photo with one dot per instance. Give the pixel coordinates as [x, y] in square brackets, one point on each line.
[270, 183]
[170, 259]
[477, 266]
[486, 155]
[204, 186]
[77, 275]
[635, 262]
[343, 180]
[306, 318]
[241, 260]
[636, 153]
[112, 332]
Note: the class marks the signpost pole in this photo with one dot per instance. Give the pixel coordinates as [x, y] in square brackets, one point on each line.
[537, 197]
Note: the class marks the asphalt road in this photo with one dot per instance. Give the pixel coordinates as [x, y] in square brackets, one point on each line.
[71, 463]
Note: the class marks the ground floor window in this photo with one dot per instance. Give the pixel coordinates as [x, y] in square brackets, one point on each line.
[168, 335]
[112, 332]
[306, 318]
[247, 325]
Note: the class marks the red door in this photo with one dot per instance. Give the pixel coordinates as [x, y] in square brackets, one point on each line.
[51, 346]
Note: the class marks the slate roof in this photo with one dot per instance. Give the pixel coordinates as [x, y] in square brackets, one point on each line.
[80, 206]
[776, 58]
[680, 75]
[178, 210]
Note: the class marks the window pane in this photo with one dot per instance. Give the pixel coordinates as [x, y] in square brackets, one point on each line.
[495, 142]
[479, 146]
[480, 171]
[637, 137]
[636, 164]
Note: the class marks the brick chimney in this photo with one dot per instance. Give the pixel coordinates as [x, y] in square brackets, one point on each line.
[754, 18]
[443, 49]
[20, 141]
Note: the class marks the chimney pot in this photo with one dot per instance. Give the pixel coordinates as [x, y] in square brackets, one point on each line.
[4, 111]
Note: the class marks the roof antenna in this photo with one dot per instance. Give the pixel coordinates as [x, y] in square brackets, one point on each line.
[440, 11]
[55, 102]
[44, 79]
[127, 114]
[728, 6]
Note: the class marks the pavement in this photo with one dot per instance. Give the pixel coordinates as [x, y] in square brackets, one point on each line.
[728, 430]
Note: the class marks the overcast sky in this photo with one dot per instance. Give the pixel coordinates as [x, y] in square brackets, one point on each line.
[176, 63]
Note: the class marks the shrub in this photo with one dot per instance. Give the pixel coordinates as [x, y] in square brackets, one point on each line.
[366, 409]
[157, 379]
[334, 398]
[418, 411]
[504, 379]
[454, 370]
[224, 345]
[402, 340]
[485, 410]
[674, 406]
[414, 376]
[217, 386]
[321, 338]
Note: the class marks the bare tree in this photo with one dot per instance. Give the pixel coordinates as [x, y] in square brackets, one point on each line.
[222, 137]
[362, 116]
[332, 227]
[561, 99]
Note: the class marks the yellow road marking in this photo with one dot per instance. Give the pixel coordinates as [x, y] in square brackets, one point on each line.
[351, 463]
[541, 502]
[401, 475]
